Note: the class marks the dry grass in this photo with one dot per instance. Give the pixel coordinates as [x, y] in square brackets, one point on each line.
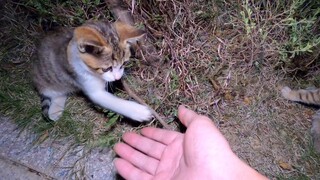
[224, 59]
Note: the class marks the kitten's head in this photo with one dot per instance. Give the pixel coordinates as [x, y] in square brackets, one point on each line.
[105, 47]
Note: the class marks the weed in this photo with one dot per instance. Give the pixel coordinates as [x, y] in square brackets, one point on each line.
[246, 16]
[65, 13]
[301, 39]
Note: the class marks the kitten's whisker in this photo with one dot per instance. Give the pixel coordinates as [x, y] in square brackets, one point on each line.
[107, 86]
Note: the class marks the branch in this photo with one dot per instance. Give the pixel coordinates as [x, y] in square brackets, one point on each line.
[137, 98]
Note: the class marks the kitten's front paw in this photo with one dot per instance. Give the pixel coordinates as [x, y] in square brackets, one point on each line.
[55, 116]
[140, 113]
[285, 91]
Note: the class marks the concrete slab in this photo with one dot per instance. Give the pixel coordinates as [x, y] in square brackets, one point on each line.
[20, 158]
[14, 170]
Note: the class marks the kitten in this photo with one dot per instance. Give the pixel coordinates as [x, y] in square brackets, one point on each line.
[85, 59]
[311, 96]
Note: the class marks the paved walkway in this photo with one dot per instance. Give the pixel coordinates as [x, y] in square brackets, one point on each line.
[20, 158]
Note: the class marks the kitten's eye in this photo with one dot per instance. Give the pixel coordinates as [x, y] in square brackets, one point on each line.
[126, 64]
[132, 52]
[93, 49]
[106, 69]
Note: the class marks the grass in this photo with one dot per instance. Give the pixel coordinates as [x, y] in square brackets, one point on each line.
[18, 97]
[224, 59]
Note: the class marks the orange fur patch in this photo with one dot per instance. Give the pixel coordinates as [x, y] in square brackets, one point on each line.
[127, 32]
[83, 34]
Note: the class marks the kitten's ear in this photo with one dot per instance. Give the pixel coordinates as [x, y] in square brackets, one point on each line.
[89, 40]
[128, 33]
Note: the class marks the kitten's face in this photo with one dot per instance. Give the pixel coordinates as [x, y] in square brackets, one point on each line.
[105, 48]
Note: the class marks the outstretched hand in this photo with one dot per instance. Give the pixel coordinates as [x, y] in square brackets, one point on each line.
[201, 153]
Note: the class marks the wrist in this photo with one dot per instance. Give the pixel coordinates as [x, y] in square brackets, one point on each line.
[244, 171]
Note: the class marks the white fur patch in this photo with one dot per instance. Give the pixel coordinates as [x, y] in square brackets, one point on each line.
[127, 108]
[113, 75]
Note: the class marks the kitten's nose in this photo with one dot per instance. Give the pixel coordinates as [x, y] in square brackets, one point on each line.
[117, 72]
[117, 76]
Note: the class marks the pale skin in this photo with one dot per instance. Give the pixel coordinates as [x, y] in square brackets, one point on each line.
[200, 153]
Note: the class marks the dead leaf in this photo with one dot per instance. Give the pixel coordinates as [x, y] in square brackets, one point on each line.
[228, 96]
[309, 113]
[247, 101]
[255, 143]
[285, 165]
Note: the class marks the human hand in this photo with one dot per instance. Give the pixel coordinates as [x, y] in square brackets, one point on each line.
[201, 153]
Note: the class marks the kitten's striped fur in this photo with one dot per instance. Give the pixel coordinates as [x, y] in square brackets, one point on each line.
[85, 59]
[311, 96]
[308, 96]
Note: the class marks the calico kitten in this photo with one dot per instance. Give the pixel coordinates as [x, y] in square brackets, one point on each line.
[85, 59]
[312, 97]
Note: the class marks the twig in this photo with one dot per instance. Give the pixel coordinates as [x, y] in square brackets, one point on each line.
[137, 98]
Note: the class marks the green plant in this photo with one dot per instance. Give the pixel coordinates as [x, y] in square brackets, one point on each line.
[301, 21]
[66, 13]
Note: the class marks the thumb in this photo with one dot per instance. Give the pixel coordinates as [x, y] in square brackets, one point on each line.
[186, 116]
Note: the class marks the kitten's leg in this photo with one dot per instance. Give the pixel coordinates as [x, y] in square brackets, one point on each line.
[127, 108]
[315, 131]
[53, 106]
[308, 96]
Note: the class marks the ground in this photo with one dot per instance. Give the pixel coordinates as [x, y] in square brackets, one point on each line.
[223, 59]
